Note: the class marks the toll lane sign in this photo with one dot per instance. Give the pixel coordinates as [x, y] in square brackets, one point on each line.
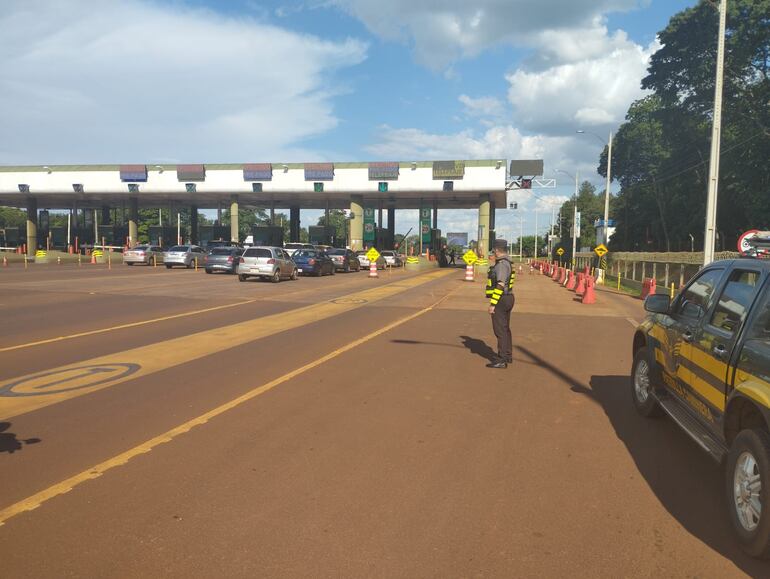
[601, 250]
[373, 255]
[470, 257]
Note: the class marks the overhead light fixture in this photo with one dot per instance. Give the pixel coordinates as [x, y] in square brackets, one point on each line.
[414, 166]
[159, 168]
[23, 188]
[77, 187]
[499, 164]
[191, 187]
[133, 187]
[285, 168]
[47, 169]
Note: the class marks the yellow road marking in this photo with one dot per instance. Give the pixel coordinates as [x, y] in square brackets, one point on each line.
[124, 326]
[36, 500]
[33, 391]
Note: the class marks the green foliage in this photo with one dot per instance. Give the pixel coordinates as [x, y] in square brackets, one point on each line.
[590, 204]
[12, 217]
[661, 152]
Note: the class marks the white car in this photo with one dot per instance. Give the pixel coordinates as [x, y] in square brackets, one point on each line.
[364, 261]
[391, 258]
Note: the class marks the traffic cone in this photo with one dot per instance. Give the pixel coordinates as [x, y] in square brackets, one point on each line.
[590, 296]
[581, 285]
[571, 282]
[93, 259]
[469, 273]
[5, 261]
[372, 269]
[555, 274]
[58, 259]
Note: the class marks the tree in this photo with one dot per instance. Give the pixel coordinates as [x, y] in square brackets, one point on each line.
[663, 147]
[337, 222]
[12, 217]
[590, 205]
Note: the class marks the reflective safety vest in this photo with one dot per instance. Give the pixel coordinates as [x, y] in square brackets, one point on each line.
[493, 292]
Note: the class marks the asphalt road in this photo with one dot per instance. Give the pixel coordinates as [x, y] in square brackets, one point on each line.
[162, 423]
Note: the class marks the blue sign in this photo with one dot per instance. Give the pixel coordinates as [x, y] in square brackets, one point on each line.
[258, 172]
[133, 173]
[319, 171]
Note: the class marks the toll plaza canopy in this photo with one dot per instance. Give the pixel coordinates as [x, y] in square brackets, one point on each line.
[360, 187]
[405, 185]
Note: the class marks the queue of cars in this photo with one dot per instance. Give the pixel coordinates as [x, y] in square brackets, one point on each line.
[273, 263]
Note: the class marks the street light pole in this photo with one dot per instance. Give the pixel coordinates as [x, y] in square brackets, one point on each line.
[574, 222]
[607, 192]
[711, 204]
[536, 233]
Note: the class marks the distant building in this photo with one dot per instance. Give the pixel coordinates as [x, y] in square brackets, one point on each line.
[599, 226]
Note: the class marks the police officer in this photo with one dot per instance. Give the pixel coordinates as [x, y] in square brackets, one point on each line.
[500, 293]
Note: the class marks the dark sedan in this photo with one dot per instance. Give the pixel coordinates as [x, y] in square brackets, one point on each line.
[313, 262]
[222, 259]
[344, 260]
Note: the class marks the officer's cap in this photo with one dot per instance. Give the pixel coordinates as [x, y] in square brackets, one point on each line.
[500, 244]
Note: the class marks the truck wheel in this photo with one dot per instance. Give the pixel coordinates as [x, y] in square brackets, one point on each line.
[747, 481]
[168, 266]
[642, 386]
[241, 277]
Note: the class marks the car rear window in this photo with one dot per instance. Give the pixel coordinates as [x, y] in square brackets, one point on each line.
[257, 252]
[140, 248]
[293, 246]
[221, 251]
[179, 248]
[336, 252]
[306, 253]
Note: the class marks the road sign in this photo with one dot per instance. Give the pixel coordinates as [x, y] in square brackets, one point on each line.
[560, 251]
[470, 257]
[601, 250]
[373, 255]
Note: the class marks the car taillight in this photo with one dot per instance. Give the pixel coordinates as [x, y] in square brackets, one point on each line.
[230, 259]
[270, 262]
[311, 262]
[205, 259]
[241, 260]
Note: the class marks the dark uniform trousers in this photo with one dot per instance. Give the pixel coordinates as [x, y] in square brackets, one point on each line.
[501, 324]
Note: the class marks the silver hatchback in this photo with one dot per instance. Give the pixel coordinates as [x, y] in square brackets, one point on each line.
[185, 255]
[271, 263]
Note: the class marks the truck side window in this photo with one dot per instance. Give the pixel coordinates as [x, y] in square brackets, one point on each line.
[760, 327]
[696, 299]
[735, 300]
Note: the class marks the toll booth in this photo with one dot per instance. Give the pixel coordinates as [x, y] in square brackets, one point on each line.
[84, 236]
[164, 235]
[269, 235]
[435, 241]
[58, 237]
[384, 239]
[113, 235]
[208, 233]
[320, 235]
[9, 237]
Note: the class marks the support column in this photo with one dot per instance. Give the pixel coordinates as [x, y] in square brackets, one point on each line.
[392, 225]
[194, 224]
[356, 222]
[492, 216]
[234, 232]
[484, 223]
[133, 221]
[272, 213]
[294, 224]
[435, 214]
[106, 217]
[31, 226]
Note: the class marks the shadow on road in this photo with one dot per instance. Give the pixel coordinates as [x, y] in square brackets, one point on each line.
[479, 347]
[688, 483]
[9, 442]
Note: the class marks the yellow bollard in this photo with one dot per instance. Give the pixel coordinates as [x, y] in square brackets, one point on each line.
[672, 290]
[25, 261]
[196, 264]
[618, 282]
[79, 262]
[109, 259]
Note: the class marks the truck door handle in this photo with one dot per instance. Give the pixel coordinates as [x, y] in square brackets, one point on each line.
[687, 336]
[719, 350]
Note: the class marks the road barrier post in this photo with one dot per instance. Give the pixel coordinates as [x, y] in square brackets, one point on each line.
[25, 261]
[672, 290]
[196, 264]
[469, 273]
[58, 259]
[5, 261]
[372, 269]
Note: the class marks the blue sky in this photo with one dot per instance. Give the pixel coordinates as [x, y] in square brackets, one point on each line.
[302, 80]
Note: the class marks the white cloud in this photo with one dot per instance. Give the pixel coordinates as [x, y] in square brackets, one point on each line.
[595, 79]
[482, 106]
[133, 80]
[442, 31]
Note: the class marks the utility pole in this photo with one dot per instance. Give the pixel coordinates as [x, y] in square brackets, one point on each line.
[521, 237]
[535, 233]
[716, 130]
[607, 192]
[574, 222]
